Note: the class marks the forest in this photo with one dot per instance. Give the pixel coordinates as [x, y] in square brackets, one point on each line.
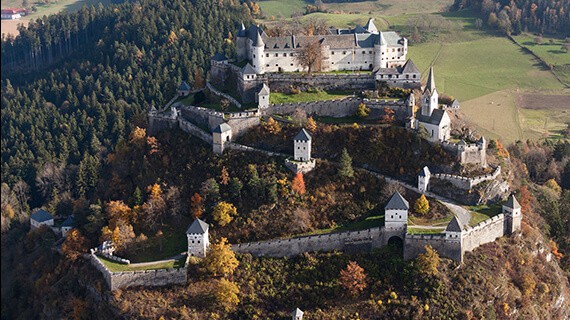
[75, 92]
[542, 17]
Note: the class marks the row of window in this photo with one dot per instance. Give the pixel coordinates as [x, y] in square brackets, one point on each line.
[397, 76]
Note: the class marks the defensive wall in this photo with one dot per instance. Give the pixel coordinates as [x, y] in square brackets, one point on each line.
[466, 183]
[475, 153]
[142, 278]
[280, 82]
[339, 108]
[452, 245]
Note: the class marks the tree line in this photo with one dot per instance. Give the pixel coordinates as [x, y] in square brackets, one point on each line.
[516, 16]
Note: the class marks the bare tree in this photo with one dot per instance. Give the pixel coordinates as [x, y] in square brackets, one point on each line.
[310, 56]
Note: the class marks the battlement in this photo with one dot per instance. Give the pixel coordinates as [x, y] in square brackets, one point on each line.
[466, 183]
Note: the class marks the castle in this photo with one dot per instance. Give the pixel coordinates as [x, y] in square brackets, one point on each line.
[361, 48]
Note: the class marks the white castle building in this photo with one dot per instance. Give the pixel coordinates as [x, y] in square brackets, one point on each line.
[361, 48]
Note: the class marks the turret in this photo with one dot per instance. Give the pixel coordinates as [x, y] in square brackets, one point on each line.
[430, 96]
[258, 56]
[380, 50]
[454, 230]
[198, 239]
[396, 212]
[241, 44]
[263, 97]
[513, 215]
[302, 146]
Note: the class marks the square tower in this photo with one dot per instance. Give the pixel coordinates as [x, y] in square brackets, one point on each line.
[396, 212]
[221, 135]
[513, 215]
[263, 97]
[302, 146]
[198, 240]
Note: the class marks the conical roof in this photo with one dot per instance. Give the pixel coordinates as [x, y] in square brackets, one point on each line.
[248, 69]
[454, 226]
[198, 226]
[297, 313]
[370, 26]
[410, 67]
[397, 202]
[381, 39]
[425, 172]
[258, 40]
[264, 90]
[512, 203]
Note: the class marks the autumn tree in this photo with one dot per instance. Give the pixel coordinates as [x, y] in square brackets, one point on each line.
[220, 260]
[298, 184]
[224, 176]
[138, 137]
[226, 294]
[421, 206]
[223, 213]
[525, 199]
[154, 208]
[310, 56]
[75, 245]
[196, 208]
[428, 262]
[345, 170]
[271, 126]
[362, 111]
[311, 125]
[388, 116]
[118, 211]
[353, 279]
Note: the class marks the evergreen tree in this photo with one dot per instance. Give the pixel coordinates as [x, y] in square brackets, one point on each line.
[345, 170]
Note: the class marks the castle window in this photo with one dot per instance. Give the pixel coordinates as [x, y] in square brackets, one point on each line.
[267, 55]
[414, 76]
[198, 241]
[407, 76]
[349, 62]
[393, 50]
[291, 64]
[254, 55]
[363, 52]
[332, 52]
[277, 54]
[344, 52]
[285, 54]
[365, 61]
[276, 65]
[192, 241]
[267, 65]
[370, 52]
[398, 49]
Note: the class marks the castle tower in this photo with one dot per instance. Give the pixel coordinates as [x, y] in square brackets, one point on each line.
[423, 179]
[298, 314]
[430, 96]
[380, 52]
[370, 26]
[396, 212]
[241, 44]
[263, 97]
[482, 145]
[513, 215]
[221, 135]
[454, 230]
[302, 146]
[258, 57]
[198, 240]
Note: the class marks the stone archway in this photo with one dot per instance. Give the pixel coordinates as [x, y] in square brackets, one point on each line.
[396, 243]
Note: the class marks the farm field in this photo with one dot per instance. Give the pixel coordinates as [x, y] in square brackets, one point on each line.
[11, 26]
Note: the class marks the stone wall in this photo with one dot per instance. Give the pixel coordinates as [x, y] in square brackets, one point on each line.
[223, 95]
[339, 108]
[241, 147]
[470, 153]
[465, 183]
[342, 241]
[142, 278]
[194, 130]
[415, 244]
[485, 232]
[280, 82]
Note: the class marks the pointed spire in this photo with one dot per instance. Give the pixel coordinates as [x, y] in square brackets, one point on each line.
[381, 40]
[454, 226]
[370, 26]
[430, 85]
[258, 40]
[242, 26]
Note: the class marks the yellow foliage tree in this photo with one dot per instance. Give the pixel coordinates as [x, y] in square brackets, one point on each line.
[138, 137]
[311, 125]
[422, 205]
[271, 126]
[224, 212]
[226, 294]
[220, 260]
[428, 262]
[363, 111]
[553, 185]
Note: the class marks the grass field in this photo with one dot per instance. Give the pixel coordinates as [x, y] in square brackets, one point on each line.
[549, 50]
[119, 267]
[277, 97]
[10, 26]
[412, 230]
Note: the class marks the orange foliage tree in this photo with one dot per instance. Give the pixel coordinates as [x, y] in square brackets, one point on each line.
[388, 116]
[298, 184]
[196, 206]
[75, 245]
[311, 125]
[353, 278]
[271, 126]
[525, 199]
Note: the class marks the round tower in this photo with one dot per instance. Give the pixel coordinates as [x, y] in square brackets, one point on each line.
[258, 57]
[241, 44]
